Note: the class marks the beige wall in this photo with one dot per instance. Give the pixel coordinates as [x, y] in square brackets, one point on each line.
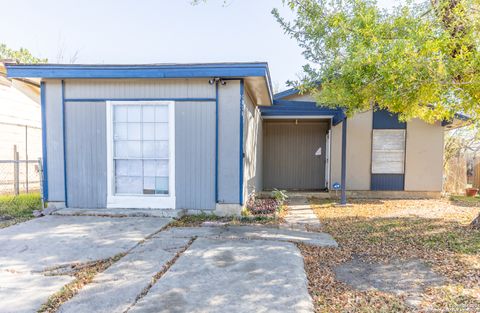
[359, 147]
[424, 152]
[424, 156]
[252, 139]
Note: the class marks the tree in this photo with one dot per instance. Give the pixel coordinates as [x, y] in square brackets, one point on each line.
[22, 55]
[417, 60]
[420, 60]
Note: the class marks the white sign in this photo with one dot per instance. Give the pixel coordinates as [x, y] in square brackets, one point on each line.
[319, 151]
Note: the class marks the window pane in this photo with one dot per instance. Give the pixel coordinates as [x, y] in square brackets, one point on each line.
[121, 149]
[161, 131]
[141, 133]
[129, 185]
[134, 149]
[161, 185]
[148, 131]
[161, 113]
[120, 113]
[128, 168]
[161, 149]
[149, 168]
[149, 149]
[134, 113]
[149, 185]
[161, 168]
[134, 131]
[148, 113]
[120, 131]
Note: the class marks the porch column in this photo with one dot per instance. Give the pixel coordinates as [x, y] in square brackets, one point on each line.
[343, 197]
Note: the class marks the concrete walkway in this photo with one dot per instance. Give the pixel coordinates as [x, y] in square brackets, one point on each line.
[217, 276]
[300, 215]
[226, 269]
[29, 249]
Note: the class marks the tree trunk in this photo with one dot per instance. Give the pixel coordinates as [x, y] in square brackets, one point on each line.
[476, 222]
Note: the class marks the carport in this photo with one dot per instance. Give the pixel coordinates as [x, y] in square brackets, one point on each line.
[296, 145]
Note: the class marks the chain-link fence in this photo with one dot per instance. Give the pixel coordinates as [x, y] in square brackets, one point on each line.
[19, 176]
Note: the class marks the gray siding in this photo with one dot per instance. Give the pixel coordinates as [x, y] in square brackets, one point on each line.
[86, 154]
[195, 155]
[195, 139]
[229, 143]
[54, 119]
[290, 160]
[139, 88]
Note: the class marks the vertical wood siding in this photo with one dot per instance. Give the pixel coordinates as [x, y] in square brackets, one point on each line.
[54, 135]
[289, 155]
[228, 143]
[139, 88]
[195, 155]
[86, 154]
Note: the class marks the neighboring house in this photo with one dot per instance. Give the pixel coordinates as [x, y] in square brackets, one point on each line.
[206, 136]
[20, 129]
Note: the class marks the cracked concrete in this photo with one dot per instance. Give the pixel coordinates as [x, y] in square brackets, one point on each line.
[118, 287]
[256, 232]
[232, 276]
[228, 268]
[29, 249]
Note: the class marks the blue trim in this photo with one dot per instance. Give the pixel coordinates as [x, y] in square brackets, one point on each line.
[44, 140]
[139, 99]
[216, 142]
[242, 108]
[139, 71]
[285, 93]
[301, 108]
[390, 182]
[64, 145]
[458, 116]
[383, 119]
[343, 197]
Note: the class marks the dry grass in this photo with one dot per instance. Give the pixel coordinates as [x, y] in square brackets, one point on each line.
[197, 220]
[435, 231]
[84, 275]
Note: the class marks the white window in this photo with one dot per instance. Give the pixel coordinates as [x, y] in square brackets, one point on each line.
[141, 154]
[388, 151]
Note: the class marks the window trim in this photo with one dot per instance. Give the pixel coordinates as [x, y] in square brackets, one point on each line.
[141, 201]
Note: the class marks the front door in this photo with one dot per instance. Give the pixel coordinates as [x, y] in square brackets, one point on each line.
[294, 154]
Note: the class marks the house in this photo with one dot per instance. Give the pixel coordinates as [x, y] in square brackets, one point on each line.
[20, 133]
[206, 136]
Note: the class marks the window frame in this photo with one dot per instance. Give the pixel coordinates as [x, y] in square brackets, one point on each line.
[141, 201]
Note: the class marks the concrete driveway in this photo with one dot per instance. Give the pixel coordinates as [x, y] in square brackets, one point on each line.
[202, 269]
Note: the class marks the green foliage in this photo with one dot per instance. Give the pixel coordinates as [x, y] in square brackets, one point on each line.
[279, 195]
[20, 206]
[417, 59]
[22, 55]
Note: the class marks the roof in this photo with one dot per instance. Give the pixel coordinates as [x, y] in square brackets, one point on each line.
[258, 73]
[285, 93]
[285, 108]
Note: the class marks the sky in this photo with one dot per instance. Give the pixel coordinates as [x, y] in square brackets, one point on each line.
[153, 31]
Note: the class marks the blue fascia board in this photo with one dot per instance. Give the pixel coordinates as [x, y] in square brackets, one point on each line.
[285, 93]
[138, 71]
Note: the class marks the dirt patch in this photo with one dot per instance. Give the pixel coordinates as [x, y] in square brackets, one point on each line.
[402, 278]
